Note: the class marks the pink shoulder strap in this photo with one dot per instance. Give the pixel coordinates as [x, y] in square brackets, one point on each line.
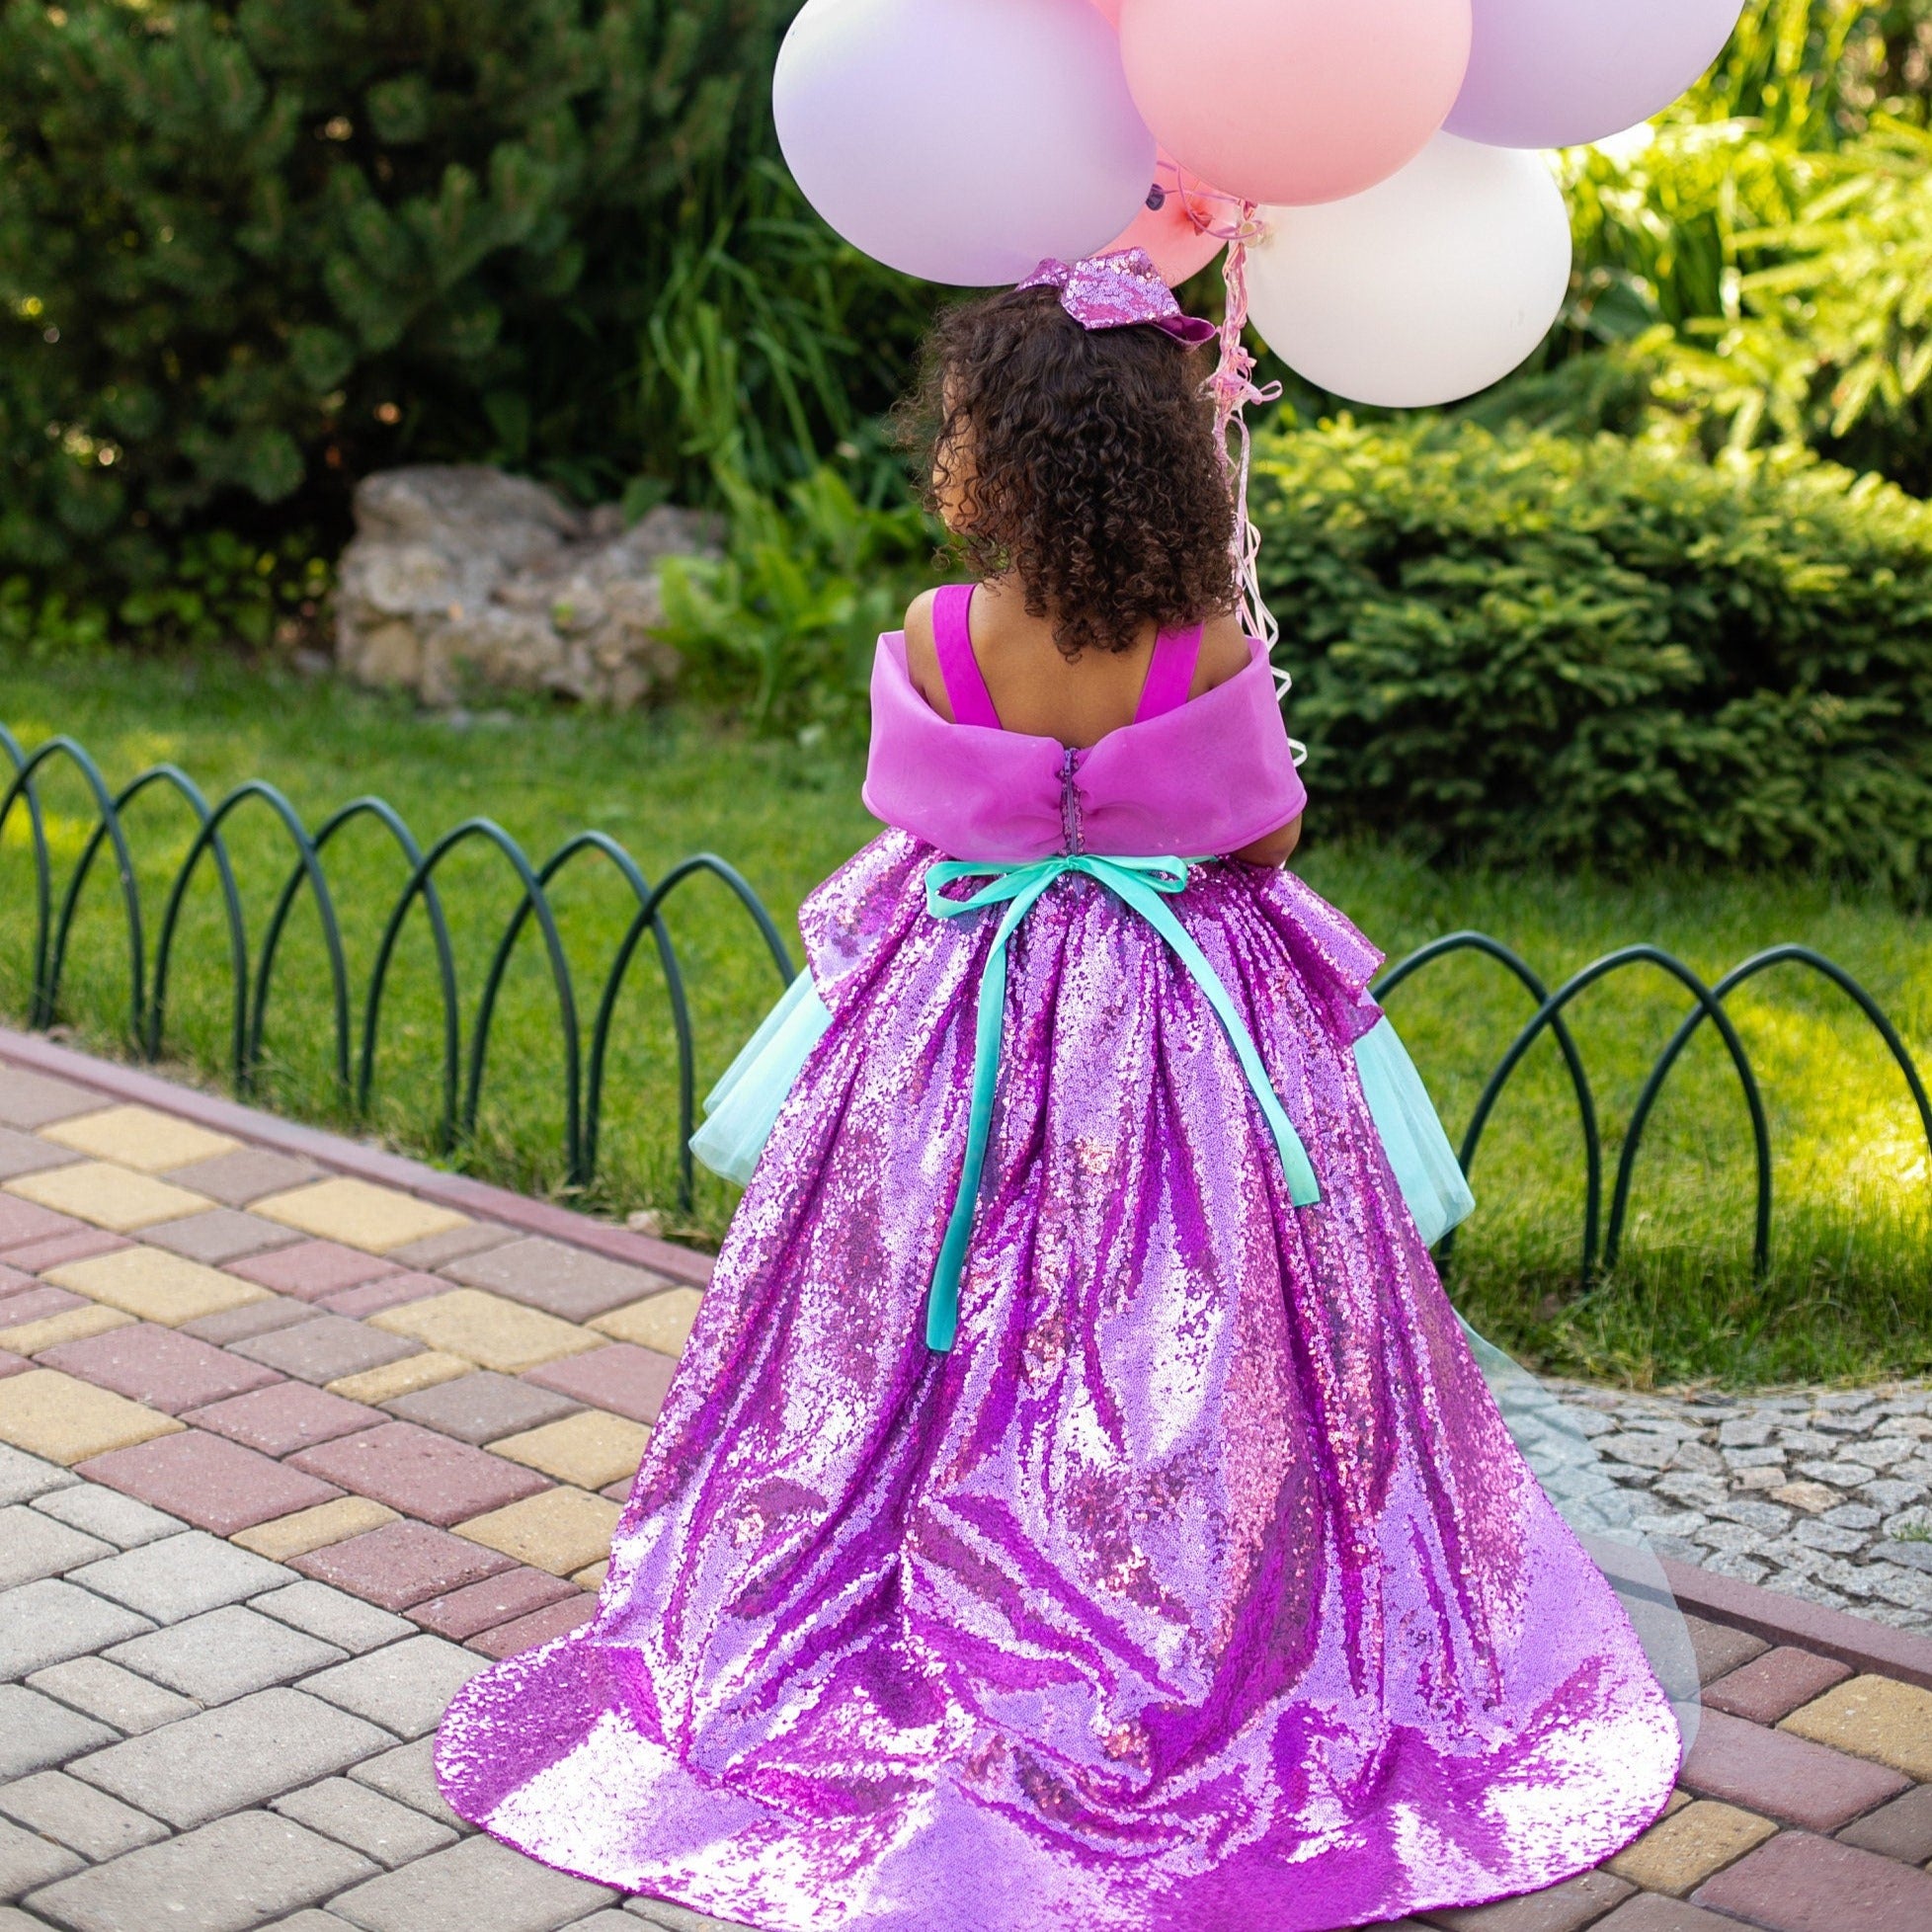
[1170, 673]
[952, 639]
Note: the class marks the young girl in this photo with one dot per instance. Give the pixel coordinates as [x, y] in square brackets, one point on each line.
[1078, 1507]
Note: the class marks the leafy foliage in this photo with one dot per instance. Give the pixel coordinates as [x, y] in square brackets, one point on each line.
[1596, 652]
[1757, 268]
[787, 622]
[251, 251]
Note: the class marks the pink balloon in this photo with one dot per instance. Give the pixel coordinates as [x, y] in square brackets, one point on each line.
[1295, 101]
[1171, 234]
[1111, 8]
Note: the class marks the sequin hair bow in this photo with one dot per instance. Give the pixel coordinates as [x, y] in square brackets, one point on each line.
[1120, 292]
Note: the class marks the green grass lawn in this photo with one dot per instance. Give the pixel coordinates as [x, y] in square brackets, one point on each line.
[1851, 1289]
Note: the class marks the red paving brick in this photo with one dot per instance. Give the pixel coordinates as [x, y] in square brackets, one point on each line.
[539, 1626]
[290, 1415]
[560, 1280]
[12, 1364]
[495, 1601]
[24, 1221]
[624, 1377]
[1783, 1776]
[1900, 1829]
[1720, 1650]
[244, 1176]
[35, 1303]
[620, 1491]
[218, 1234]
[326, 1347]
[1796, 1882]
[1774, 1685]
[402, 1563]
[38, 1256]
[1567, 1907]
[21, 1154]
[12, 1280]
[1649, 1912]
[213, 1484]
[482, 1408]
[251, 1318]
[421, 1473]
[372, 1297]
[312, 1269]
[166, 1370]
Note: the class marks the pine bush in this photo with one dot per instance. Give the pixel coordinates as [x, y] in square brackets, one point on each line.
[248, 252]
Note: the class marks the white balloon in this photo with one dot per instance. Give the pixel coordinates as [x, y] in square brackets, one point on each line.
[963, 140]
[1431, 286]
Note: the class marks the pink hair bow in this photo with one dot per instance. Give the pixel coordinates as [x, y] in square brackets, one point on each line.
[1120, 292]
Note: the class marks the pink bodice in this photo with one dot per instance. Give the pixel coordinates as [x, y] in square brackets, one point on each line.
[1204, 779]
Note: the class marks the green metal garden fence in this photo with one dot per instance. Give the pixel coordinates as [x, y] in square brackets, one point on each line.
[465, 1051]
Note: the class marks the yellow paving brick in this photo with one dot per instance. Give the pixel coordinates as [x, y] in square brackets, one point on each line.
[139, 1137]
[403, 1378]
[357, 1214]
[66, 1420]
[588, 1449]
[72, 1324]
[592, 1577]
[313, 1529]
[113, 1197]
[487, 1329]
[661, 1322]
[153, 1285]
[1870, 1716]
[562, 1531]
[1677, 1855]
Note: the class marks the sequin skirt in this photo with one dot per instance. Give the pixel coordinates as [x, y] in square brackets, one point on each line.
[1201, 1588]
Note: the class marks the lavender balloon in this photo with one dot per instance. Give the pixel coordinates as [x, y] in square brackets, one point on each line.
[962, 140]
[1553, 73]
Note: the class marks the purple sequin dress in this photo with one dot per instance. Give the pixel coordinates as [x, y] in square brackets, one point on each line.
[1200, 1589]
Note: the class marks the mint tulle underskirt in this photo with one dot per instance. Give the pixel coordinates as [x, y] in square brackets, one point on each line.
[742, 1109]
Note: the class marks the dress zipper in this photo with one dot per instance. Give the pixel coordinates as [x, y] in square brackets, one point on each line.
[1073, 833]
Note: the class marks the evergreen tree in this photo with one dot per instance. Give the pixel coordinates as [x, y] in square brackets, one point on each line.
[248, 252]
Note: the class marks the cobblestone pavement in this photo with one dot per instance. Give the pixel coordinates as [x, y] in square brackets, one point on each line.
[1824, 1495]
[293, 1436]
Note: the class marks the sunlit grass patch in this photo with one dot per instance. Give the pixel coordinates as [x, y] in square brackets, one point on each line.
[1848, 1294]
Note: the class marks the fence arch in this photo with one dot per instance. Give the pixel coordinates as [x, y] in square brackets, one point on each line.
[464, 1053]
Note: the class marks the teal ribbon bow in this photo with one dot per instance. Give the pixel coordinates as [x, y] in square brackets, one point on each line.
[1145, 885]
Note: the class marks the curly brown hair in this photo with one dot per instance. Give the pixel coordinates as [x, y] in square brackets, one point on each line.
[1082, 462]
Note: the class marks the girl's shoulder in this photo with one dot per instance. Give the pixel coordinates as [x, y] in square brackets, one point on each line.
[922, 653]
[1226, 653]
[1225, 650]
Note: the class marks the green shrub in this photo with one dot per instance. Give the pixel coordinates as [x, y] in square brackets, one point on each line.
[251, 251]
[214, 590]
[787, 623]
[1602, 652]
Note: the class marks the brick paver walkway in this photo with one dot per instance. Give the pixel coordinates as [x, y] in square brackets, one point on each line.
[294, 1434]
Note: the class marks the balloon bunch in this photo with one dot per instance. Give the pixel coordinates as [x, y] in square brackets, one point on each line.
[1369, 163]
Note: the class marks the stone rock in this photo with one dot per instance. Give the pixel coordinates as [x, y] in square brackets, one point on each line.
[460, 576]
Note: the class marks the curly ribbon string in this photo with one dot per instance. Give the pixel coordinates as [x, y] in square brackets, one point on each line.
[1234, 388]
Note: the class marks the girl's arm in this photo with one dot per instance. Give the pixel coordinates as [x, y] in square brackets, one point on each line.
[1225, 654]
[1277, 848]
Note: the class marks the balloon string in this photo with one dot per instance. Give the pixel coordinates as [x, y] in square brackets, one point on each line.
[1234, 388]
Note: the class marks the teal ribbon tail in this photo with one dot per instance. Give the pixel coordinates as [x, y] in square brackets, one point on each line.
[1144, 885]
